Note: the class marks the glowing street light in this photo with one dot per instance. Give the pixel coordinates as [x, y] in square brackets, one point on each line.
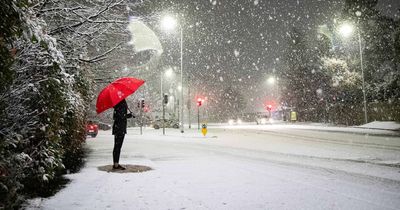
[346, 30]
[271, 80]
[168, 22]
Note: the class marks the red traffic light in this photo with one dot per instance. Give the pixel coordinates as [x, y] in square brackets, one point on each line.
[269, 107]
[199, 101]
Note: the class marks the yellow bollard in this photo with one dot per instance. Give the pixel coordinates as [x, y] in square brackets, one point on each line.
[204, 129]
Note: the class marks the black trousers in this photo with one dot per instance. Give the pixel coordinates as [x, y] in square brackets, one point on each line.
[118, 140]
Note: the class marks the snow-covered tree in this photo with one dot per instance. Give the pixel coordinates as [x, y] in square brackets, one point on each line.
[301, 75]
[52, 52]
[379, 37]
[339, 72]
[33, 107]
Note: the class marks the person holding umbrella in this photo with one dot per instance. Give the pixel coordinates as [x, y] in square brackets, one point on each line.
[119, 130]
[113, 96]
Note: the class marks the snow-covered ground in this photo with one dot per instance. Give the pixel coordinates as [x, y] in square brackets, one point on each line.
[239, 167]
[376, 127]
[388, 125]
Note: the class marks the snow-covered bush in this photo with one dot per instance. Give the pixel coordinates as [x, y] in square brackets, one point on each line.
[42, 109]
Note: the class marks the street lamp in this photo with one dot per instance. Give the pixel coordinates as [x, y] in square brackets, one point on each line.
[271, 80]
[169, 23]
[346, 29]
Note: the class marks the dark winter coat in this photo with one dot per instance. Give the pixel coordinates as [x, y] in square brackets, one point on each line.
[120, 116]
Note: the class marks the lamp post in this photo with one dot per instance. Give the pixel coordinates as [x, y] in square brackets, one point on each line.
[346, 30]
[167, 73]
[169, 23]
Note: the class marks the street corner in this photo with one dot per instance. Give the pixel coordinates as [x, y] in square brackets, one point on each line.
[128, 169]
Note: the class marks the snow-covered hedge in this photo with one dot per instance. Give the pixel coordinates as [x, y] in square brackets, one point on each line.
[42, 109]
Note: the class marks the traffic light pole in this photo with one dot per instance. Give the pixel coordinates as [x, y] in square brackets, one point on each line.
[199, 102]
[141, 119]
[198, 117]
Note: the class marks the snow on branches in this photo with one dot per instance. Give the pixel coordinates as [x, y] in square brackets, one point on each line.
[339, 72]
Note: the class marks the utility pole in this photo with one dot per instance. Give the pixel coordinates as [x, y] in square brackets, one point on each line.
[181, 100]
[363, 80]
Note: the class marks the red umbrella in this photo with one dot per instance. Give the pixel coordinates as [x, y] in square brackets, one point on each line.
[116, 92]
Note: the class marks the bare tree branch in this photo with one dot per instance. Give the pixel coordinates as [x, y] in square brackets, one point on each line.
[102, 56]
[85, 20]
[60, 9]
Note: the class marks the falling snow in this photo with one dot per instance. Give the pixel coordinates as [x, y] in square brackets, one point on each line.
[320, 61]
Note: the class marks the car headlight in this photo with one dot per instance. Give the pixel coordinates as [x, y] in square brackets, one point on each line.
[263, 121]
[230, 122]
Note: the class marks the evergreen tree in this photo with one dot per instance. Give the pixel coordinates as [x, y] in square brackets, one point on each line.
[381, 64]
[301, 76]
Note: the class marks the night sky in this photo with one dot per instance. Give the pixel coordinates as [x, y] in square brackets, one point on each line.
[238, 43]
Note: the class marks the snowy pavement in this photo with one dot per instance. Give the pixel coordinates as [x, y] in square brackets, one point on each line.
[238, 167]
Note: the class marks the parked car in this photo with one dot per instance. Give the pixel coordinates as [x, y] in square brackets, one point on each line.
[262, 120]
[235, 122]
[92, 129]
[157, 124]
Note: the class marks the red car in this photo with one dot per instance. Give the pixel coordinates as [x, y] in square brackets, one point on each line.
[92, 129]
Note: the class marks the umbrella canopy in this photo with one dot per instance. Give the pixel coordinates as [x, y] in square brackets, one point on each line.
[116, 92]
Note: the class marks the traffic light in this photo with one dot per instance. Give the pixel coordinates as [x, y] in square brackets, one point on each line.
[199, 101]
[269, 107]
[165, 99]
[142, 103]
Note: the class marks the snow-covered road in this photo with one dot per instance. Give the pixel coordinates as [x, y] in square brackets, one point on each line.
[238, 168]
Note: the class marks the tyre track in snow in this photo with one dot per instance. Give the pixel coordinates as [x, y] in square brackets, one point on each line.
[329, 140]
